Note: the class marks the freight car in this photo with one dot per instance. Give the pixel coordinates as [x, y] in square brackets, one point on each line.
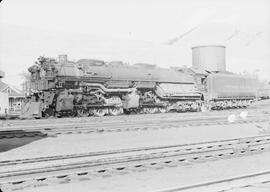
[93, 87]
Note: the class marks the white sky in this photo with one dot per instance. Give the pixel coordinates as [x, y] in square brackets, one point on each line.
[145, 20]
[140, 19]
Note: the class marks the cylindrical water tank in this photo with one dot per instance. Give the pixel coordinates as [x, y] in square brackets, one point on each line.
[209, 57]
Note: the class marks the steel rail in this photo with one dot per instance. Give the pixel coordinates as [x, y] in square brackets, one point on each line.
[183, 147]
[8, 134]
[137, 116]
[225, 184]
[136, 160]
[53, 123]
[128, 126]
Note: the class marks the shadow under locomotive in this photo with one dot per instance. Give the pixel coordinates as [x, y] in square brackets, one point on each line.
[17, 138]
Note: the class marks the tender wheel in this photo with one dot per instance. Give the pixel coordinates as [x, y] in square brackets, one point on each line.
[99, 112]
[82, 113]
[114, 111]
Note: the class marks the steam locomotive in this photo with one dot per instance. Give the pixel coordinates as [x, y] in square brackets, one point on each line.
[93, 87]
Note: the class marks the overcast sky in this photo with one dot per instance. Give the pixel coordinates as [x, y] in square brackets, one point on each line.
[152, 20]
[142, 20]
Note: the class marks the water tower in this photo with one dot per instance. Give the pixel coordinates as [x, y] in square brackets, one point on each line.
[209, 57]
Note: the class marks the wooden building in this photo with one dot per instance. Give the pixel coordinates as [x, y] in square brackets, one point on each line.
[15, 96]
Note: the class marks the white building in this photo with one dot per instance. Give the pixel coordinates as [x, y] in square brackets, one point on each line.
[15, 96]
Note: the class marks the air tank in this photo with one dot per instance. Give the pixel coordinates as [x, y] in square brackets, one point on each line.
[209, 57]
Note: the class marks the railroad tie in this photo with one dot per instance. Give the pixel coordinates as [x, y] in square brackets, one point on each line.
[138, 168]
[198, 160]
[184, 162]
[122, 170]
[102, 172]
[22, 185]
[154, 166]
[80, 176]
[169, 164]
[210, 158]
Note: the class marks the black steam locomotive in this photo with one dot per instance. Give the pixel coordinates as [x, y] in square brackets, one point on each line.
[93, 87]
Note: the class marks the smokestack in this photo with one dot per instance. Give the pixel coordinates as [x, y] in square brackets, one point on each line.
[62, 59]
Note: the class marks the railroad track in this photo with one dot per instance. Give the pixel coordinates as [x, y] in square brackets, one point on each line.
[119, 126]
[225, 184]
[182, 147]
[9, 134]
[17, 172]
[254, 109]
